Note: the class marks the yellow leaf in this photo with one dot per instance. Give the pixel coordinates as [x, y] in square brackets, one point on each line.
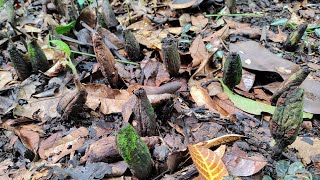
[208, 163]
[220, 140]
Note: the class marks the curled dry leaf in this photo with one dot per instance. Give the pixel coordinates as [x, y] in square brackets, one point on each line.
[201, 97]
[55, 147]
[208, 163]
[220, 140]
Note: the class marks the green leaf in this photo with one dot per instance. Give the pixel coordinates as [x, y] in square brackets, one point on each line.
[294, 167]
[2, 3]
[282, 167]
[62, 46]
[66, 28]
[80, 2]
[251, 106]
[278, 22]
[265, 177]
[317, 31]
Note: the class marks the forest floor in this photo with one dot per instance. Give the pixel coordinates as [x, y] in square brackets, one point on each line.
[110, 66]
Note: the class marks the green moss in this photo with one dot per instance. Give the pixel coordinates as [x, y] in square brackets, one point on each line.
[134, 151]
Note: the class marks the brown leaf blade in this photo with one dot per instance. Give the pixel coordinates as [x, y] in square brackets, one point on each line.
[207, 162]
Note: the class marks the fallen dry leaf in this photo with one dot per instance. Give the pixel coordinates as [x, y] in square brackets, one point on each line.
[239, 163]
[202, 98]
[208, 163]
[5, 78]
[219, 140]
[198, 51]
[307, 147]
[55, 147]
[199, 21]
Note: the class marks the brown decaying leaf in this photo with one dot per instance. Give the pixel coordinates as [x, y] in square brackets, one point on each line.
[220, 140]
[105, 59]
[208, 163]
[312, 144]
[199, 21]
[198, 51]
[251, 54]
[54, 148]
[5, 78]
[221, 33]
[201, 97]
[88, 15]
[254, 32]
[239, 163]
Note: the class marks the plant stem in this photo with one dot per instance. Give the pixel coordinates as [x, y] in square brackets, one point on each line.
[247, 14]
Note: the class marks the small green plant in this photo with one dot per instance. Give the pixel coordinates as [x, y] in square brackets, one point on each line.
[287, 171]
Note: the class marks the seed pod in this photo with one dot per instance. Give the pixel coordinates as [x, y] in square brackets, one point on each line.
[37, 57]
[171, 56]
[131, 45]
[232, 71]
[287, 119]
[23, 69]
[134, 151]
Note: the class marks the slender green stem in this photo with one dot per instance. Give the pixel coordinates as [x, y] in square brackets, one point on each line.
[82, 53]
[236, 15]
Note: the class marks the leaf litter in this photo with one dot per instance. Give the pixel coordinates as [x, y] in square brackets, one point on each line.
[55, 126]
